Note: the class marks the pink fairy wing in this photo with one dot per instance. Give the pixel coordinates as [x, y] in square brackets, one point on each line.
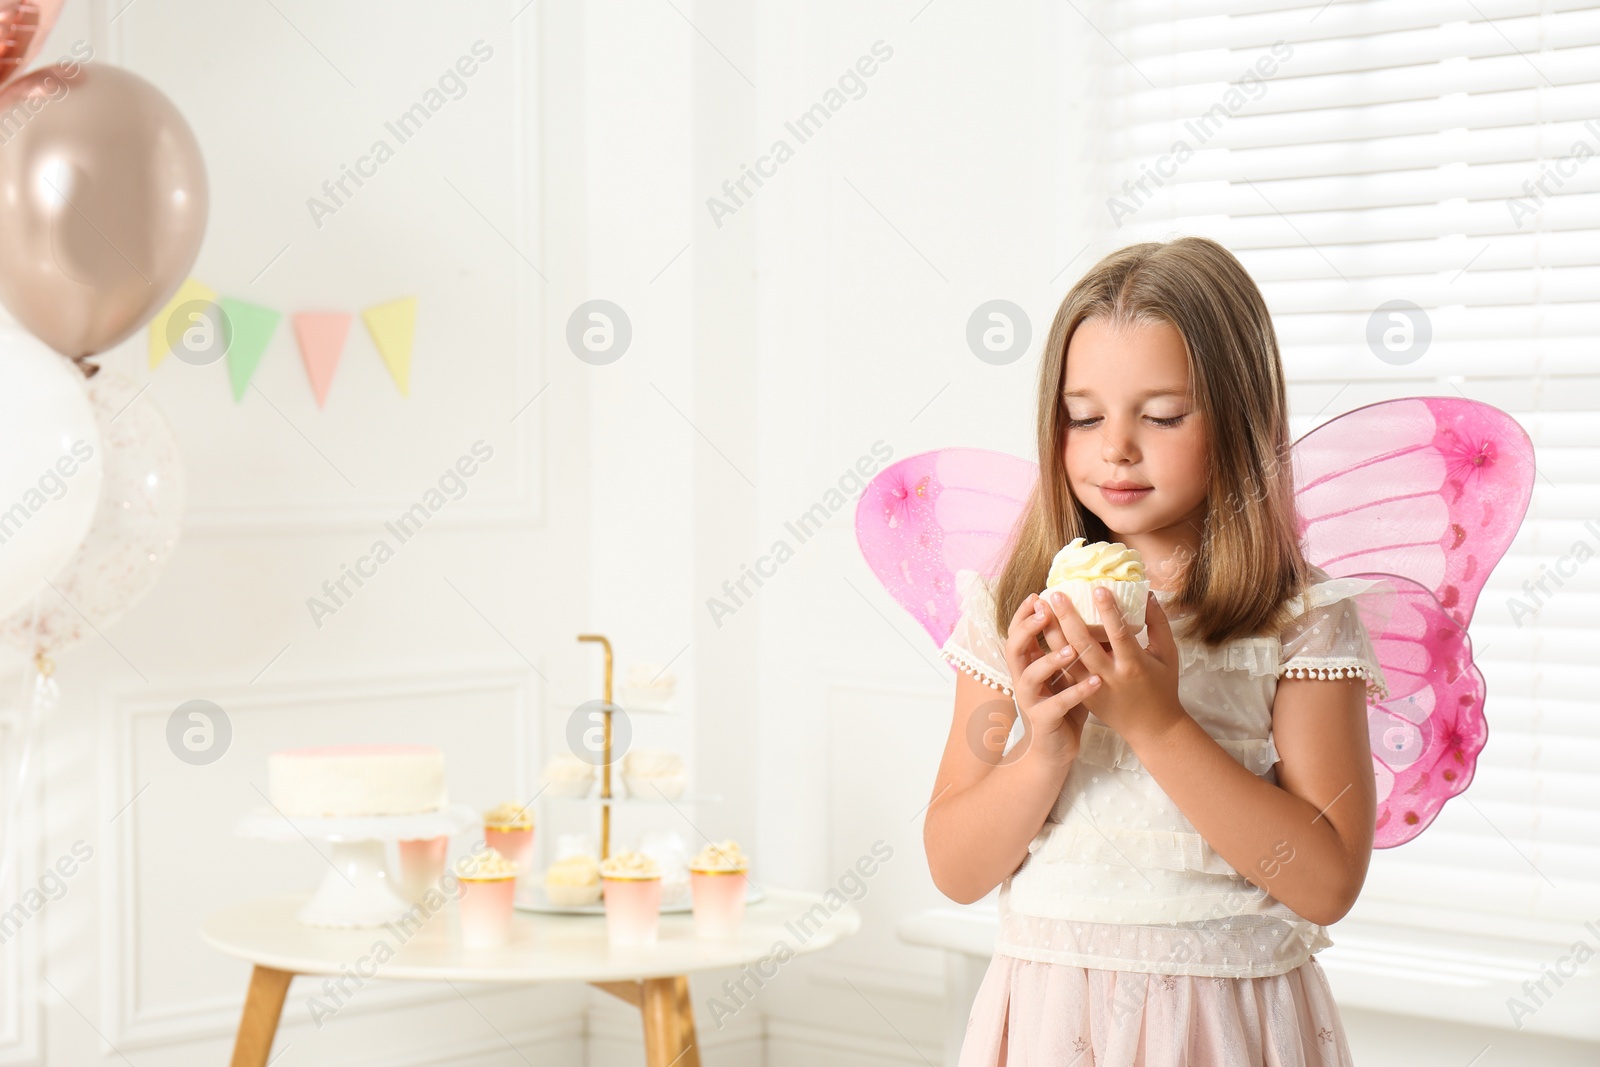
[1429, 488]
[935, 513]
[1427, 493]
[1427, 734]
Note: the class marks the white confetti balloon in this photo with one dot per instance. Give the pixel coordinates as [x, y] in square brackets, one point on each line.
[134, 532]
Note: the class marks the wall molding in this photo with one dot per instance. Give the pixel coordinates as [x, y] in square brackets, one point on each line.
[21, 1009]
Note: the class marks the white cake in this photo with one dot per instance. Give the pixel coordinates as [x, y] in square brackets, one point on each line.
[356, 780]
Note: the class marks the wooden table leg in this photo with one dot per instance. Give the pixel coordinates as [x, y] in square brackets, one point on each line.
[669, 1037]
[263, 1004]
[690, 1042]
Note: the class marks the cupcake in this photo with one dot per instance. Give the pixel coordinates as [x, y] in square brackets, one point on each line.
[718, 876]
[631, 883]
[573, 882]
[1079, 569]
[488, 884]
[568, 776]
[508, 828]
[649, 687]
[654, 774]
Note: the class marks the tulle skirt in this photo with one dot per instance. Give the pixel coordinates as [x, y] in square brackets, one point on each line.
[1030, 1014]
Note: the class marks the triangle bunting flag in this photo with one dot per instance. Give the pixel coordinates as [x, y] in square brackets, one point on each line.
[252, 329]
[391, 326]
[159, 345]
[321, 335]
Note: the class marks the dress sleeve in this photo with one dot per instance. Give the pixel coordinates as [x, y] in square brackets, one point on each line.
[1325, 637]
[973, 646]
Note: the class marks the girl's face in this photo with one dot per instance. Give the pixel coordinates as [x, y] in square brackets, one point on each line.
[1136, 447]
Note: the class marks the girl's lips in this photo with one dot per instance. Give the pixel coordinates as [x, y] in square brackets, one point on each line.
[1124, 496]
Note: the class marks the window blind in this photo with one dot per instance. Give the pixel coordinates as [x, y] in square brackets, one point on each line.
[1446, 154]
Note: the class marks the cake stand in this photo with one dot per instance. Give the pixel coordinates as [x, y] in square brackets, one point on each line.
[357, 890]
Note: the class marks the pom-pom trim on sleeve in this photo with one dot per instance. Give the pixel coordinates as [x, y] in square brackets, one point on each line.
[978, 670]
[1326, 669]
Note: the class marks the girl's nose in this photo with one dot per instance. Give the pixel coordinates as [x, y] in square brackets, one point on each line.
[1117, 444]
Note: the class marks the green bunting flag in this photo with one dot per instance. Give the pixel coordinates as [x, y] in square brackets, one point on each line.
[252, 329]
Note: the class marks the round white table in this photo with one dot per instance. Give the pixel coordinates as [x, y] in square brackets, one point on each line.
[543, 948]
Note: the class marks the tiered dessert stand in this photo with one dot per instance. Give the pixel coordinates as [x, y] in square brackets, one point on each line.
[531, 897]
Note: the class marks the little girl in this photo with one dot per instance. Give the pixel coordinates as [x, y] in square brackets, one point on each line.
[1182, 815]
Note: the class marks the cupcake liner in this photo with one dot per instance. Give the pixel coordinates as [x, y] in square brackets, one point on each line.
[633, 907]
[515, 844]
[485, 906]
[717, 901]
[1131, 597]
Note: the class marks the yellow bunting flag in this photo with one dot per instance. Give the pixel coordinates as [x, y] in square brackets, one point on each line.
[391, 325]
[160, 343]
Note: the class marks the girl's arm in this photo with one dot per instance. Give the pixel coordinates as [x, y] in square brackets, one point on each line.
[986, 806]
[1306, 840]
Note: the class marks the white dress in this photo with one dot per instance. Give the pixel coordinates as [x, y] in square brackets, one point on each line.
[1118, 882]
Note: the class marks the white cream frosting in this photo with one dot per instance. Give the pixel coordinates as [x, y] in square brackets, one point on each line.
[567, 767]
[1102, 559]
[509, 814]
[487, 865]
[725, 856]
[629, 864]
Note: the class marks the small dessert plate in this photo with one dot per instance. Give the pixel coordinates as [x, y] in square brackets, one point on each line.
[533, 898]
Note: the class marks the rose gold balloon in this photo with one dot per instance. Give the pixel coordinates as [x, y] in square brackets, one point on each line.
[103, 203]
[24, 24]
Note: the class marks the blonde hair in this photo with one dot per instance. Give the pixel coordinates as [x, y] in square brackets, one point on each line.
[1249, 561]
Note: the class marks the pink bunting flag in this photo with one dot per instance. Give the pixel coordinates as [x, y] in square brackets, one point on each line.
[322, 335]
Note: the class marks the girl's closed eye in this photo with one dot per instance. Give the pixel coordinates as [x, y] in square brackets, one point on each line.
[1158, 420]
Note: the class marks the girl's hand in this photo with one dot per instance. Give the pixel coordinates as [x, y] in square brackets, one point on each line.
[1051, 703]
[1138, 695]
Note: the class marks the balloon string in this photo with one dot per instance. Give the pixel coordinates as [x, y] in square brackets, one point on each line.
[44, 690]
